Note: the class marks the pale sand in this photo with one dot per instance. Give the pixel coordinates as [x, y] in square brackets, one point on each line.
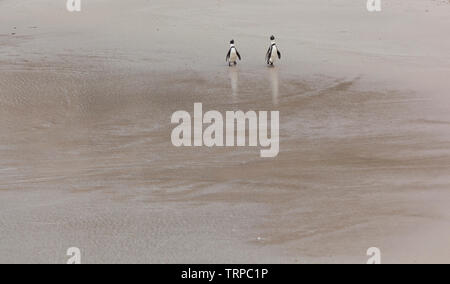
[87, 161]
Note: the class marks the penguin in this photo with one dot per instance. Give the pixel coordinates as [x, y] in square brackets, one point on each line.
[233, 54]
[273, 52]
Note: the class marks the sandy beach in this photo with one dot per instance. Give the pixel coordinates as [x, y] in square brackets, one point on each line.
[87, 161]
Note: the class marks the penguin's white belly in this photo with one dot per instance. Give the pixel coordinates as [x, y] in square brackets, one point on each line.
[274, 54]
[233, 55]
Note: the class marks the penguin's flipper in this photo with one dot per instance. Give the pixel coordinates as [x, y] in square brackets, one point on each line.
[228, 55]
[279, 54]
[268, 54]
[239, 56]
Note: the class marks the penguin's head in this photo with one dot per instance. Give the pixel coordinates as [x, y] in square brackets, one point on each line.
[272, 38]
[232, 41]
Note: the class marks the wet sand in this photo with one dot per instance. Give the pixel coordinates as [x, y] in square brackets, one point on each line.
[87, 161]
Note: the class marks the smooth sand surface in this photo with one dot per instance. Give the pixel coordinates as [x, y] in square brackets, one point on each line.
[87, 161]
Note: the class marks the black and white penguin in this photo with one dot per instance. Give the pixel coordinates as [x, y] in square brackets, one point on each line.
[273, 52]
[233, 54]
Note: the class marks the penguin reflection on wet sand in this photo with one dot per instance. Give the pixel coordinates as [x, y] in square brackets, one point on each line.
[233, 54]
[273, 52]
